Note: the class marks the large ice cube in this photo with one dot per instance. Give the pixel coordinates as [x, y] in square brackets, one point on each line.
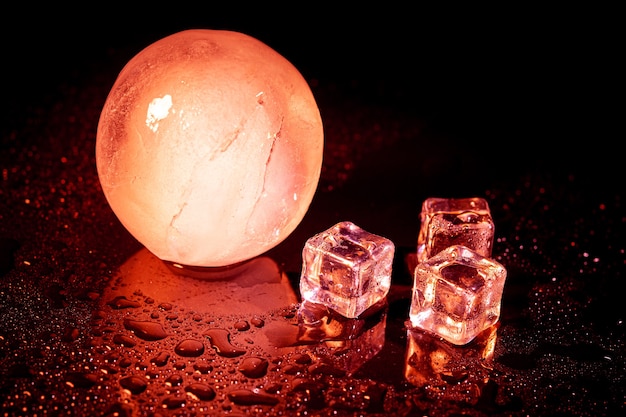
[455, 221]
[457, 294]
[346, 269]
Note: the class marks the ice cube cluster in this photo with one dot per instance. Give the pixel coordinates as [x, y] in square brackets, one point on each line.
[457, 285]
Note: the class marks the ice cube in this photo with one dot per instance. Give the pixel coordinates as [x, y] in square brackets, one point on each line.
[455, 221]
[346, 269]
[457, 294]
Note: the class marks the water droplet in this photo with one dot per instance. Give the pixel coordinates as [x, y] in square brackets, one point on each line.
[81, 380]
[145, 330]
[173, 402]
[202, 391]
[254, 367]
[302, 358]
[121, 302]
[274, 388]
[112, 356]
[166, 306]
[257, 322]
[124, 340]
[293, 369]
[203, 367]
[189, 348]
[220, 341]
[134, 383]
[125, 362]
[161, 359]
[242, 325]
[174, 380]
[247, 397]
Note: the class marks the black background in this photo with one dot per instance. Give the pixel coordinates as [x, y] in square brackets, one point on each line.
[533, 82]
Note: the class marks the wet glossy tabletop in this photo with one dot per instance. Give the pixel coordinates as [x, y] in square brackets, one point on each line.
[93, 324]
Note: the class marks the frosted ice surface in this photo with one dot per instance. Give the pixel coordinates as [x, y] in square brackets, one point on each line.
[457, 294]
[346, 269]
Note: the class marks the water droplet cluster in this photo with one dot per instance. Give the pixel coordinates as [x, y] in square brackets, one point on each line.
[152, 357]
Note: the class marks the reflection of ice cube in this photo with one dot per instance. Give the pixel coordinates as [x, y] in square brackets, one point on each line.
[437, 363]
[345, 343]
[457, 294]
[455, 221]
[346, 269]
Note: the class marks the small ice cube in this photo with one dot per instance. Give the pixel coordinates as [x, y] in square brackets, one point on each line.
[455, 221]
[457, 294]
[346, 269]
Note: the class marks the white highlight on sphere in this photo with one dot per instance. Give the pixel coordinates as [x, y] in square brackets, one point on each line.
[158, 109]
[209, 147]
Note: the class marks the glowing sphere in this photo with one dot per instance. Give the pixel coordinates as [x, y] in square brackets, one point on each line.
[209, 147]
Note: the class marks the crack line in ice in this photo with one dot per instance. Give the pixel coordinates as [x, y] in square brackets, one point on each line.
[210, 154]
[172, 225]
[187, 190]
[226, 144]
[274, 137]
[141, 140]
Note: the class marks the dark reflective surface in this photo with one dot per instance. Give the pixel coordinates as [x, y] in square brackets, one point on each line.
[414, 106]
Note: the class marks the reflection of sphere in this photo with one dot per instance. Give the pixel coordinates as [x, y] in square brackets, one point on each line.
[209, 147]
